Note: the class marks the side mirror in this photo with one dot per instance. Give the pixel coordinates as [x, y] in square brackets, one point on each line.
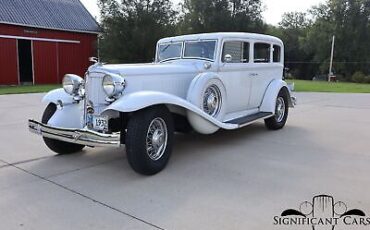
[228, 58]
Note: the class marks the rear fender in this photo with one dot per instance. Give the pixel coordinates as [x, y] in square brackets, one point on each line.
[269, 100]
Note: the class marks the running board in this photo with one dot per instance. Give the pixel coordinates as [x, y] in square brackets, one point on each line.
[243, 121]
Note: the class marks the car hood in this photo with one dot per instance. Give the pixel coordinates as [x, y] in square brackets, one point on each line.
[149, 68]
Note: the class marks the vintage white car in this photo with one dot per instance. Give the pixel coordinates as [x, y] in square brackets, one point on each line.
[200, 82]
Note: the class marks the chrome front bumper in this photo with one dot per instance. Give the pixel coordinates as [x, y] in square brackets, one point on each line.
[77, 136]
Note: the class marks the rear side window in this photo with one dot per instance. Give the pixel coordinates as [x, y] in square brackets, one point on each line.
[262, 53]
[239, 51]
[277, 53]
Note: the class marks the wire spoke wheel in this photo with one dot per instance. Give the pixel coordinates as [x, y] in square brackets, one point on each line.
[212, 100]
[279, 120]
[280, 109]
[149, 139]
[156, 139]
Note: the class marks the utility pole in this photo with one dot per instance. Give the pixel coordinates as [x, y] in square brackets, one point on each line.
[331, 59]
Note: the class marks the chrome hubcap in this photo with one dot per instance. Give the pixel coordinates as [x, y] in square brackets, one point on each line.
[156, 139]
[280, 109]
[212, 100]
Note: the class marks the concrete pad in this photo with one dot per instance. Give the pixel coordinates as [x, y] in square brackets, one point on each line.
[42, 205]
[14, 100]
[18, 108]
[89, 157]
[218, 187]
[18, 144]
[11, 178]
[230, 180]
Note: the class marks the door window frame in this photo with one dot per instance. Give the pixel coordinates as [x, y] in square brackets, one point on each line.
[235, 40]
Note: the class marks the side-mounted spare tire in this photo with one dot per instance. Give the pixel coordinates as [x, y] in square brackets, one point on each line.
[207, 93]
[57, 146]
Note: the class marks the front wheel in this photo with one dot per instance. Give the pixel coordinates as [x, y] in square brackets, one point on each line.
[149, 140]
[281, 113]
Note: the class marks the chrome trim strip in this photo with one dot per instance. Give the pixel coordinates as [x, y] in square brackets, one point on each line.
[77, 136]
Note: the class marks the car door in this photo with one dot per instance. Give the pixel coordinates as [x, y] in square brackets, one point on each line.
[235, 75]
[266, 66]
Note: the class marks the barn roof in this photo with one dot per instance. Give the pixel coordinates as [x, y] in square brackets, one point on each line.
[68, 15]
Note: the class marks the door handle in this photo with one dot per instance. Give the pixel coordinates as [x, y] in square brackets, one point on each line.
[253, 74]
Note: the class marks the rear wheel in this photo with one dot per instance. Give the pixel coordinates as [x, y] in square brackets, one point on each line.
[281, 113]
[59, 147]
[149, 140]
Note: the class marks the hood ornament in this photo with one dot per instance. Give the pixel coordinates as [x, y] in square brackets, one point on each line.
[94, 60]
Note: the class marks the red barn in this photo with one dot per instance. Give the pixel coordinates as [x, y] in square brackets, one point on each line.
[41, 40]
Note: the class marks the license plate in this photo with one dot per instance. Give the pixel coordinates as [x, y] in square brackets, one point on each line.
[100, 123]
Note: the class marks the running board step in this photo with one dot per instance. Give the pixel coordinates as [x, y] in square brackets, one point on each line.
[249, 118]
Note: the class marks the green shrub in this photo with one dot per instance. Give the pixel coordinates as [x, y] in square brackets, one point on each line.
[358, 77]
[367, 79]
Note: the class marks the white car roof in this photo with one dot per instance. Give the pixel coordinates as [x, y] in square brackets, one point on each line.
[218, 36]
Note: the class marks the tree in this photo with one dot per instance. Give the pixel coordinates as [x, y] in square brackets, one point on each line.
[221, 16]
[349, 21]
[294, 20]
[308, 38]
[292, 29]
[131, 28]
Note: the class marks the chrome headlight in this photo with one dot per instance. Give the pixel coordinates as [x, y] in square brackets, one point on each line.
[113, 84]
[72, 83]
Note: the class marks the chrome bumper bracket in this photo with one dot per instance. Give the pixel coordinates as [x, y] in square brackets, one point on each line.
[77, 136]
[294, 100]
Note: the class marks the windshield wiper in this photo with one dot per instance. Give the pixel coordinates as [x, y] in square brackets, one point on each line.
[165, 48]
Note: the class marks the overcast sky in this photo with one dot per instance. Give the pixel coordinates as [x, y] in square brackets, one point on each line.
[272, 14]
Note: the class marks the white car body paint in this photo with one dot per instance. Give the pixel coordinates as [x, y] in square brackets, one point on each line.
[249, 87]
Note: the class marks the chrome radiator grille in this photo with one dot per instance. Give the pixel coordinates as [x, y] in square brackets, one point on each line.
[95, 93]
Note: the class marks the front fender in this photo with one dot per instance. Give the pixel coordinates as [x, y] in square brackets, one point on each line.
[70, 115]
[139, 100]
[57, 95]
[269, 100]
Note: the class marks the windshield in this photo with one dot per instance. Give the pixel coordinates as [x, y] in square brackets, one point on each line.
[169, 51]
[193, 49]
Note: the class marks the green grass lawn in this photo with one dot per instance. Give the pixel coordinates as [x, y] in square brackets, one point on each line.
[27, 89]
[321, 86]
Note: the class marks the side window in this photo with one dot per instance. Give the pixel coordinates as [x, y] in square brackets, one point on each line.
[277, 53]
[261, 53]
[245, 52]
[239, 51]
